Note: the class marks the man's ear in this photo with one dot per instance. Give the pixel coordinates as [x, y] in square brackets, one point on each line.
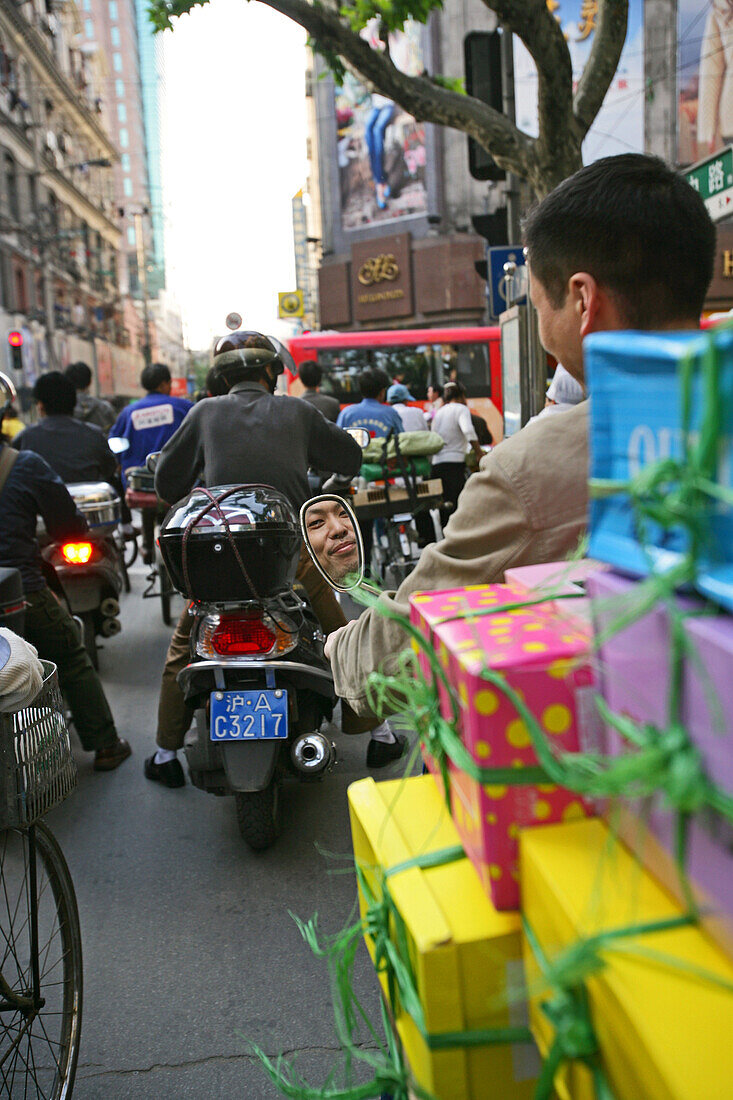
[587, 299]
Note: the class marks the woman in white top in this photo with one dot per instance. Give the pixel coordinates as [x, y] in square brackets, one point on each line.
[453, 422]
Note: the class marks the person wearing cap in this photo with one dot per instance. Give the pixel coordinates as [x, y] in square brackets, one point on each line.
[413, 419]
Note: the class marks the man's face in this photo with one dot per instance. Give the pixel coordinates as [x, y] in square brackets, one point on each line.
[332, 538]
[560, 327]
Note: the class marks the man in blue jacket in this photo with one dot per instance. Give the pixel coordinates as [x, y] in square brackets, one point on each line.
[148, 424]
[371, 412]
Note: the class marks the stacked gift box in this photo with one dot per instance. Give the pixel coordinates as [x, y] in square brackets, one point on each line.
[622, 904]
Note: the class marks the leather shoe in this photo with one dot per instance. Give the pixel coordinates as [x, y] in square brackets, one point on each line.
[169, 774]
[109, 758]
[381, 753]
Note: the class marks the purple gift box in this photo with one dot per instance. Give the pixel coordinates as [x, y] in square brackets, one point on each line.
[634, 676]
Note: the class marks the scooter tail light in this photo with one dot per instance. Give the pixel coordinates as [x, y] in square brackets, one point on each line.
[77, 553]
[243, 634]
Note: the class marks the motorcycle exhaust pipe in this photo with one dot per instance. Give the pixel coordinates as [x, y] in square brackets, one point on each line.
[110, 627]
[110, 608]
[313, 754]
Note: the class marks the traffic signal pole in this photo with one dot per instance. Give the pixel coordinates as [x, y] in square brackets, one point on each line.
[507, 84]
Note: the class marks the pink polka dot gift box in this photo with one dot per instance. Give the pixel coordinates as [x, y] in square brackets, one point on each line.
[544, 656]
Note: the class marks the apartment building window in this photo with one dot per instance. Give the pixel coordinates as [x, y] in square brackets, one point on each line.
[88, 28]
[131, 235]
[87, 5]
[117, 62]
[11, 186]
[119, 88]
[114, 36]
[124, 138]
[113, 14]
[127, 186]
[125, 162]
[122, 112]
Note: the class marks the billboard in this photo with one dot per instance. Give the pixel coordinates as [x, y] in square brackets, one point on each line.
[705, 81]
[619, 125]
[380, 148]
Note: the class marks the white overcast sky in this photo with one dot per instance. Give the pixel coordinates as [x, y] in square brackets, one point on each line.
[234, 134]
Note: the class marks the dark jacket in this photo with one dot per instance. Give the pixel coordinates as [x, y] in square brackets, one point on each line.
[251, 436]
[93, 410]
[74, 450]
[326, 405]
[33, 489]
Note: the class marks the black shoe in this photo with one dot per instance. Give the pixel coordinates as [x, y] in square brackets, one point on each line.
[169, 774]
[380, 753]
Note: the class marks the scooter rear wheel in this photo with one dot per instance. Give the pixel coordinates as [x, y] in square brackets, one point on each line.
[259, 816]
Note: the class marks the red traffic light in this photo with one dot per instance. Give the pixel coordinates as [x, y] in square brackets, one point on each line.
[15, 339]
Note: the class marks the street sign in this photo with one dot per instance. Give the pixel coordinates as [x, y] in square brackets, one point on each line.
[713, 180]
[290, 304]
[497, 281]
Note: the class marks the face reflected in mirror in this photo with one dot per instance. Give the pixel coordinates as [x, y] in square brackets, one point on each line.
[329, 529]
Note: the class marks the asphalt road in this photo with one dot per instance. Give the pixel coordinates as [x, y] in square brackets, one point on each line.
[189, 950]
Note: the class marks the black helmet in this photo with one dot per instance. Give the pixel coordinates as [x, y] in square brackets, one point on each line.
[241, 356]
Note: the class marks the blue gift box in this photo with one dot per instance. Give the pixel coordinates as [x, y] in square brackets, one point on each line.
[635, 384]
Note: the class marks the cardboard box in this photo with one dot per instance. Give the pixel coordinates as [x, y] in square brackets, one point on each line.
[635, 382]
[634, 677]
[545, 659]
[465, 955]
[663, 1027]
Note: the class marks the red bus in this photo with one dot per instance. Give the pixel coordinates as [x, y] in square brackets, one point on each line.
[421, 357]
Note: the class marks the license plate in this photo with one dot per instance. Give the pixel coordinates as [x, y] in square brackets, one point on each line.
[249, 715]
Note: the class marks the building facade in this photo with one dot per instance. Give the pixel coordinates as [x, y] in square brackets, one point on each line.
[59, 233]
[391, 201]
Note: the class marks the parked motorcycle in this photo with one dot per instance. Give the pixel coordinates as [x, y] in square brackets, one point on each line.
[257, 679]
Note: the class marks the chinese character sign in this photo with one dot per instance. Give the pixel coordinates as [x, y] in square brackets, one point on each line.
[381, 149]
[705, 67]
[619, 125]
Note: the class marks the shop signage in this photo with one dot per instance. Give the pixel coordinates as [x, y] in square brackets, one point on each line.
[381, 279]
[713, 180]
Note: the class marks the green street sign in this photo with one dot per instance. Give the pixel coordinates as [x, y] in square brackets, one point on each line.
[713, 180]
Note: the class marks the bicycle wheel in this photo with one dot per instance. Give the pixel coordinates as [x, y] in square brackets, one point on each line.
[39, 1035]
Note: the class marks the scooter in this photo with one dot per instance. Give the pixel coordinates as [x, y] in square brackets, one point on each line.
[87, 572]
[257, 680]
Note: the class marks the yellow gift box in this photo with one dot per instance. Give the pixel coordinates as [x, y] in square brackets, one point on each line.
[463, 956]
[661, 1004]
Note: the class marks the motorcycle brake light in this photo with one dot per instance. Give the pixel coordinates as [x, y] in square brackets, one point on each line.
[242, 636]
[77, 553]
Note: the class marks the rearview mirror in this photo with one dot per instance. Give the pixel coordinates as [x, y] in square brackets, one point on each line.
[361, 435]
[151, 461]
[118, 444]
[333, 538]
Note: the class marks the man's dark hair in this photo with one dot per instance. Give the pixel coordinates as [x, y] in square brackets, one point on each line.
[79, 375]
[452, 391]
[638, 228]
[153, 376]
[310, 374]
[215, 384]
[56, 393]
[372, 382]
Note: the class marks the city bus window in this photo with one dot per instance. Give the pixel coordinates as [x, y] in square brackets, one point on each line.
[469, 364]
[410, 366]
[416, 367]
[341, 369]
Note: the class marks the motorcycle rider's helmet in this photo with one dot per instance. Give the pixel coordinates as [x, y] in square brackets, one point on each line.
[244, 356]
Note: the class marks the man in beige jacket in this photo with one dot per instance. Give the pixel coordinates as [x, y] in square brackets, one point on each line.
[625, 243]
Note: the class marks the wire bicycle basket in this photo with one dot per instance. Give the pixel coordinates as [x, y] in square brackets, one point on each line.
[37, 769]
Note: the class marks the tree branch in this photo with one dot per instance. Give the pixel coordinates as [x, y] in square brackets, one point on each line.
[605, 54]
[418, 95]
